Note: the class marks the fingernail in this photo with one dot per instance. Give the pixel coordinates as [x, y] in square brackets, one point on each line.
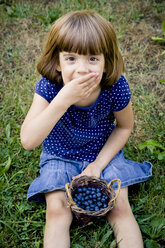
[97, 75]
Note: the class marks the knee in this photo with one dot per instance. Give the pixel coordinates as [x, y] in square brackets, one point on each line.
[121, 209]
[58, 211]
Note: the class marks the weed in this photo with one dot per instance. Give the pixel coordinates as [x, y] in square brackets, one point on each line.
[50, 15]
[18, 10]
[154, 147]
[162, 80]
[160, 39]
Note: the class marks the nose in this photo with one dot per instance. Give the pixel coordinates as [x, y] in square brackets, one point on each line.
[83, 67]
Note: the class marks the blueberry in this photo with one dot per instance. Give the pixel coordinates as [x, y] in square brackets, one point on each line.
[94, 196]
[79, 190]
[79, 197]
[87, 208]
[75, 199]
[88, 192]
[84, 189]
[86, 203]
[99, 204]
[97, 208]
[106, 197]
[78, 204]
[105, 205]
[98, 194]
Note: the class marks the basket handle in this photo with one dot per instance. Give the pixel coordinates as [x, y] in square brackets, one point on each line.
[67, 187]
[118, 189]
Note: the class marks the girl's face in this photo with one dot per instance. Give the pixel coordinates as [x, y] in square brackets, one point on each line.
[74, 65]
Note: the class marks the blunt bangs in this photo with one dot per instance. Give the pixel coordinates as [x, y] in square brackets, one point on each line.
[81, 35]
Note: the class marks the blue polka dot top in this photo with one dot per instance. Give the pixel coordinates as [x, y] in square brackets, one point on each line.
[82, 131]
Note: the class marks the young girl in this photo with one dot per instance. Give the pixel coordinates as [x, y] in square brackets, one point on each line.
[81, 93]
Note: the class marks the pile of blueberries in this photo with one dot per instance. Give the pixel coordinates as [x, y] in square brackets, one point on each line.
[90, 198]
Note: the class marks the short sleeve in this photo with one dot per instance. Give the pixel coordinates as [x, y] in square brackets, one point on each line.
[46, 89]
[121, 94]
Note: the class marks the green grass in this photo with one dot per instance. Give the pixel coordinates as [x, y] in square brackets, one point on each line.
[23, 27]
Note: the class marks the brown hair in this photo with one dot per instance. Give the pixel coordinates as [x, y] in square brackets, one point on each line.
[82, 32]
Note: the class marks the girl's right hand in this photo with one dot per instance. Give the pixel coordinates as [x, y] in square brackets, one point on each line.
[79, 89]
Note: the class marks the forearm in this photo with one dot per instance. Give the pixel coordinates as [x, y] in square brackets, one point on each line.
[114, 144]
[35, 130]
[118, 137]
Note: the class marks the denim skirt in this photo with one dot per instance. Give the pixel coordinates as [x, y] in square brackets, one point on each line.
[55, 172]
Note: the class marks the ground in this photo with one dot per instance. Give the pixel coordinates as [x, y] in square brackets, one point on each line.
[24, 25]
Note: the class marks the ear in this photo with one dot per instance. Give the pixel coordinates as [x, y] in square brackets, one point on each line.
[58, 68]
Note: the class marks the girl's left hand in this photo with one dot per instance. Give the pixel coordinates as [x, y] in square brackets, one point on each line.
[91, 170]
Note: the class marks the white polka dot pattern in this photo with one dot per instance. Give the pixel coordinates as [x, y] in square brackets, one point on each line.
[82, 131]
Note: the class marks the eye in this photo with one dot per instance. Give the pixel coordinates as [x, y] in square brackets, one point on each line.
[70, 58]
[93, 59]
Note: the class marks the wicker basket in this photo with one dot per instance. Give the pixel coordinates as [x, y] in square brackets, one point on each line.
[82, 215]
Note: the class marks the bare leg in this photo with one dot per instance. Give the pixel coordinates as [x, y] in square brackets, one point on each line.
[123, 222]
[58, 221]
